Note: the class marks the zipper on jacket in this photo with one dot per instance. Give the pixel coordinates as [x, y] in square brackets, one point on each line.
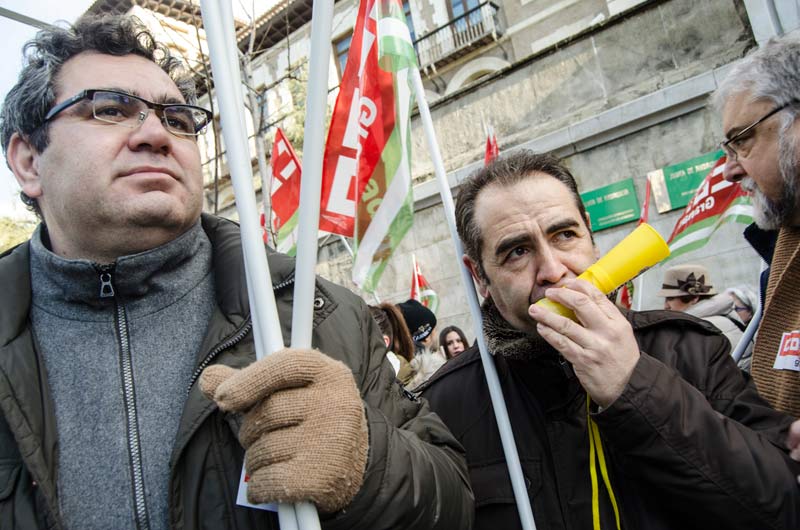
[239, 335]
[230, 342]
[129, 396]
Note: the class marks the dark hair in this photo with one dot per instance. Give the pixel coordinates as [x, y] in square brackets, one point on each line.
[29, 101]
[689, 298]
[393, 326]
[443, 339]
[504, 171]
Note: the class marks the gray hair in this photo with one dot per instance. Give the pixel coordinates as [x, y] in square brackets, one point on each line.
[771, 73]
[28, 102]
[505, 171]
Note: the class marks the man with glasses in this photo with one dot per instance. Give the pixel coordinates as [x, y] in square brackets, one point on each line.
[760, 103]
[128, 307]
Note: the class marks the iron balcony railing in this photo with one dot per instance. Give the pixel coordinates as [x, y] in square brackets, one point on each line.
[446, 43]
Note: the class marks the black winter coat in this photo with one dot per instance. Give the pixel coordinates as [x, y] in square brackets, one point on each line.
[689, 443]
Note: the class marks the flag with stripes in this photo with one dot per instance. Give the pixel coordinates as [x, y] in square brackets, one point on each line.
[421, 290]
[286, 174]
[367, 165]
[715, 203]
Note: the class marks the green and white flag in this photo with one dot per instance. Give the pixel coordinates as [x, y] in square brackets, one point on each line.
[715, 202]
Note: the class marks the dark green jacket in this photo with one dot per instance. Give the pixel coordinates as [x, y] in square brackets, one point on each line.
[416, 473]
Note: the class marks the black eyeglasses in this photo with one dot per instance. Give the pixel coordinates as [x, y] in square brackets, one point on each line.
[130, 111]
[730, 145]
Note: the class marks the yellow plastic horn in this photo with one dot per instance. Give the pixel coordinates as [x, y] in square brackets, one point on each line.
[640, 250]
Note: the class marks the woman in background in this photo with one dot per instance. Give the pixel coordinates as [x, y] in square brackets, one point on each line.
[453, 341]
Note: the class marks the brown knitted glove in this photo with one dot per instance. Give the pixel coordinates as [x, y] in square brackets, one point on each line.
[304, 429]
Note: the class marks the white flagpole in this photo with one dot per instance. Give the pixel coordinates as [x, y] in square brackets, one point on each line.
[310, 185]
[493, 382]
[217, 19]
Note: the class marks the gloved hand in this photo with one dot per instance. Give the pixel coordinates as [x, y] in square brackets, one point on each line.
[304, 428]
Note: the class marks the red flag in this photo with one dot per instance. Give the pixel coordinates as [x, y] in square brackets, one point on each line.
[286, 171]
[492, 151]
[362, 122]
[421, 290]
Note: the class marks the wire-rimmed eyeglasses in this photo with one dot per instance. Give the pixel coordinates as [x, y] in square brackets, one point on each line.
[130, 111]
[733, 143]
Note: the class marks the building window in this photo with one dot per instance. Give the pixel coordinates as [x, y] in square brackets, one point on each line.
[407, 11]
[459, 7]
[341, 48]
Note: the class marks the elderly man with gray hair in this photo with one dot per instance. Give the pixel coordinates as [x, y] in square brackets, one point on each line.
[760, 104]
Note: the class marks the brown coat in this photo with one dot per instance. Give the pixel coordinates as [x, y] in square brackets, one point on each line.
[781, 315]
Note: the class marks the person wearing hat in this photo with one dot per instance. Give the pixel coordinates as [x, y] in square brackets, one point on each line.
[688, 288]
[421, 322]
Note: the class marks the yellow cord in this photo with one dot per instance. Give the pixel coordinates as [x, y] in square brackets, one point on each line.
[596, 446]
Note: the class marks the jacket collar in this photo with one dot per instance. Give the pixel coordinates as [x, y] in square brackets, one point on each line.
[762, 241]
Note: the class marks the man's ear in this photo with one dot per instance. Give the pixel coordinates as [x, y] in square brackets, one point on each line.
[24, 163]
[483, 284]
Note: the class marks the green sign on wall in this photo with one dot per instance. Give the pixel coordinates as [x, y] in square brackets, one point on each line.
[611, 205]
[674, 186]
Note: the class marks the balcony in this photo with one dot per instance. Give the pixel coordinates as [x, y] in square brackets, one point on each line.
[447, 43]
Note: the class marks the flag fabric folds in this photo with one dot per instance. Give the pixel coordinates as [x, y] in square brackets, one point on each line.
[421, 290]
[286, 174]
[715, 202]
[366, 177]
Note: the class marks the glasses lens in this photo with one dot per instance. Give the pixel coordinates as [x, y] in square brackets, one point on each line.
[118, 108]
[185, 120]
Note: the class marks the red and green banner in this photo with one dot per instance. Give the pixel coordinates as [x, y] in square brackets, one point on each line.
[286, 173]
[715, 202]
[366, 177]
[421, 290]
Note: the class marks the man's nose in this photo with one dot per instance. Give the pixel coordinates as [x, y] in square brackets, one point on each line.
[550, 270]
[733, 171]
[151, 134]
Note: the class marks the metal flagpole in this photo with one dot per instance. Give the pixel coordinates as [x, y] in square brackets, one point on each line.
[266, 324]
[495, 392]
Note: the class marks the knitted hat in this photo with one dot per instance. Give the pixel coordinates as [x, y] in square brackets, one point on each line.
[419, 319]
[689, 279]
